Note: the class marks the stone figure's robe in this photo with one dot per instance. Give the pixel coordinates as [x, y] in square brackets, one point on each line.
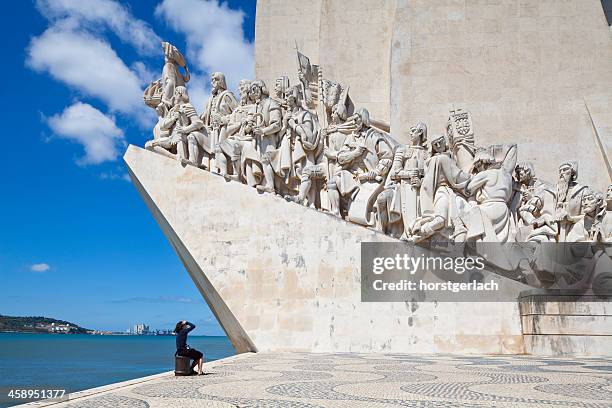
[377, 148]
[442, 177]
[405, 203]
[271, 114]
[490, 219]
[223, 104]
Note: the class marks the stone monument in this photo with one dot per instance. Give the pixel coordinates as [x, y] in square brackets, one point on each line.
[268, 199]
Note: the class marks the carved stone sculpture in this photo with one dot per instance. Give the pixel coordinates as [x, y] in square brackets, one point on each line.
[604, 233]
[219, 106]
[532, 206]
[489, 220]
[230, 147]
[307, 151]
[585, 226]
[442, 184]
[183, 129]
[365, 158]
[171, 75]
[266, 130]
[568, 205]
[398, 205]
[308, 143]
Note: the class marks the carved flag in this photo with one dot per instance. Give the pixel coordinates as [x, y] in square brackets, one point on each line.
[305, 68]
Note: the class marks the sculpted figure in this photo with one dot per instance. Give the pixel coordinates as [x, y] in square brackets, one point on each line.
[604, 231]
[171, 76]
[489, 220]
[585, 227]
[266, 130]
[365, 158]
[159, 95]
[334, 136]
[400, 199]
[460, 133]
[219, 106]
[180, 127]
[568, 205]
[230, 147]
[305, 136]
[532, 206]
[439, 194]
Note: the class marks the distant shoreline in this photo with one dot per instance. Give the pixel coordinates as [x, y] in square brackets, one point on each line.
[107, 334]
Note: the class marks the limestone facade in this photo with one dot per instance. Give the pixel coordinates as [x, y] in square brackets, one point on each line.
[534, 72]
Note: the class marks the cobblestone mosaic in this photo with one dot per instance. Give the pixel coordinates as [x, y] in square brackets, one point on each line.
[304, 380]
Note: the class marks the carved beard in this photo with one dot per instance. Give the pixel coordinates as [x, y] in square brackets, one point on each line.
[562, 188]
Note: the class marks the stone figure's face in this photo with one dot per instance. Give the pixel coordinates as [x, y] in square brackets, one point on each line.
[215, 82]
[180, 96]
[416, 135]
[589, 203]
[291, 99]
[438, 145]
[609, 194]
[523, 174]
[565, 173]
[255, 92]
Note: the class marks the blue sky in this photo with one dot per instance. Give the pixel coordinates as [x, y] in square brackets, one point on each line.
[76, 241]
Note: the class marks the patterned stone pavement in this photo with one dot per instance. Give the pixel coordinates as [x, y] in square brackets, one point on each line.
[373, 380]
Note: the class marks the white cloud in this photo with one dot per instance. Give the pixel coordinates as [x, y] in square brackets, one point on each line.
[214, 35]
[107, 13]
[198, 91]
[115, 175]
[88, 64]
[95, 131]
[40, 267]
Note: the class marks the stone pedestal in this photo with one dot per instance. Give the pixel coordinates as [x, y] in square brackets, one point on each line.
[556, 324]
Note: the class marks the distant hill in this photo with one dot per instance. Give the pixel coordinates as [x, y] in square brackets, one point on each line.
[39, 324]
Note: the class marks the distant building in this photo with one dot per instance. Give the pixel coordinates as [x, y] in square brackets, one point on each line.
[54, 327]
[140, 329]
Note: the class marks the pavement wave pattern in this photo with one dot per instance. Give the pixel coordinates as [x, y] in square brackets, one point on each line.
[306, 380]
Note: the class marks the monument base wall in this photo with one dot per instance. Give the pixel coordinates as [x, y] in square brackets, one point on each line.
[280, 276]
[557, 325]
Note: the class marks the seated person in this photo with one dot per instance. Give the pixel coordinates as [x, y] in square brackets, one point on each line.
[182, 349]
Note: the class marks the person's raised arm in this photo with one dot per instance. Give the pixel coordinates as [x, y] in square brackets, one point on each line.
[188, 327]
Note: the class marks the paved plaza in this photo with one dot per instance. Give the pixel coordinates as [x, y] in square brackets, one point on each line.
[307, 380]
